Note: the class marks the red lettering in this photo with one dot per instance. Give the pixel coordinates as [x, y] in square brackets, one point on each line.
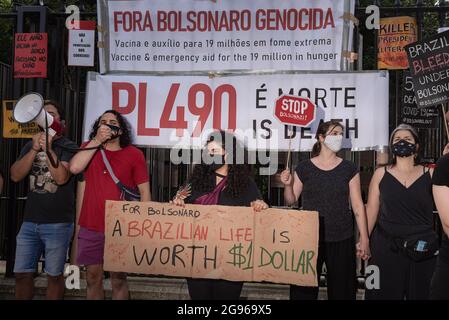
[132, 226]
[248, 234]
[145, 227]
[130, 89]
[141, 122]
[232, 110]
[329, 20]
[222, 238]
[317, 18]
[165, 121]
[157, 229]
[169, 225]
[302, 21]
[161, 23]
[201, 111]
[416, 66]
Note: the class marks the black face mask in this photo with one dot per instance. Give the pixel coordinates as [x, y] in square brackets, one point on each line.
[403, 148]
[115, 130]
[214, 161]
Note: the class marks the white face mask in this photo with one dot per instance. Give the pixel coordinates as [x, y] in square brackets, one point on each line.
[334, 142]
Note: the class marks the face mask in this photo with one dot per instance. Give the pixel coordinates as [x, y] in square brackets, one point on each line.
[403, 148]
[334, 142]
[115, 130]
[217, 161]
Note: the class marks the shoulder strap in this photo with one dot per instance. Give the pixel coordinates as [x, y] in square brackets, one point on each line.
[108, 166]
[385, 168]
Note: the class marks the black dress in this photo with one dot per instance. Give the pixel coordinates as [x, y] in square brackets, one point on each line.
[404, 212]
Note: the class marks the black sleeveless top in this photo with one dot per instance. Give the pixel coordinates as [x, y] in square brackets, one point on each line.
[406, 211]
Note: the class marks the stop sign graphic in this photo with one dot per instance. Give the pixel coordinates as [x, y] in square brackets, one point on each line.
[298, 111]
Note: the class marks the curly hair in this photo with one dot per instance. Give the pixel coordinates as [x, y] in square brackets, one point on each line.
[126, 137]
[202, 175]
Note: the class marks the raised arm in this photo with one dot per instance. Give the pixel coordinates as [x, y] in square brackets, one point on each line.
[81, 160]
[60, 173]
[22, 167]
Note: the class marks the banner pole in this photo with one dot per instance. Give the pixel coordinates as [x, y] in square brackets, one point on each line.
[289, 148]
[445, 121]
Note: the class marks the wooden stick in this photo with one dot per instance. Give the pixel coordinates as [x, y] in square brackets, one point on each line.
[289, 148]
[445, 121]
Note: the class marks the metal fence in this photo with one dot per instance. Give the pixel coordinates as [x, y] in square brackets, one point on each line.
[67, 85]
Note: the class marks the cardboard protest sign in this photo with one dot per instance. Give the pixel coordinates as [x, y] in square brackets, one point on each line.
[215, 242]
[429, 67]
[409, 111]
[394, 34]
[13, 129]
[30, 55]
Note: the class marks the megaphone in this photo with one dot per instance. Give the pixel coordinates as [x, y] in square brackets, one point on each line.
[30, 108]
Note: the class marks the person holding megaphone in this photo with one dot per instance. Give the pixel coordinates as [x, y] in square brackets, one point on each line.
[49, 213]
[113, 169]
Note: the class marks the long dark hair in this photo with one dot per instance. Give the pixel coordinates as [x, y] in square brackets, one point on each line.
[61, 112]
[238, 172]
[126, 138]
[323, 128]
[409, 128]
[58, 107]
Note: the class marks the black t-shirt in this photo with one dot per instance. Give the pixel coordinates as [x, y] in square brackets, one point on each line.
[441, 178]
[47, 202]
[244, 199]
[327, 191]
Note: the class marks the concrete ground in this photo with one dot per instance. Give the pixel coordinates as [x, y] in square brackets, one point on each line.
[154, 288]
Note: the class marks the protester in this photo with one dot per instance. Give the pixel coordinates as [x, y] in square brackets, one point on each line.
[49, 210]
[400, 222]
[222, 178]
[112, 133]
[439, 289]
[326, 183]
[1, 182]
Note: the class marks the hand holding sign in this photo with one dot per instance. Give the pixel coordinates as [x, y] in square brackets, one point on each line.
[214, 242]
[286, 177]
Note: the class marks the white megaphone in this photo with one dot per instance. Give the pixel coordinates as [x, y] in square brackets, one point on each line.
[30, 108]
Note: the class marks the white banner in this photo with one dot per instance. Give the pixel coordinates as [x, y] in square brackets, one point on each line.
[187, 35]
[180, 111]
[82, 44]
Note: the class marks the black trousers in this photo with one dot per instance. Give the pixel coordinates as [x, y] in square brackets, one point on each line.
[210, 289]
[340, 262]
[439, 288]
[400, 277]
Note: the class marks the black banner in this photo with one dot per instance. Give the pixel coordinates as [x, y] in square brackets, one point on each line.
[429, 67]
[409, 111]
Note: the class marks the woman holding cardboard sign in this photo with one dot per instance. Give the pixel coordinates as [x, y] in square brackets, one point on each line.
[326, 183]
[222, 178]
[400, 222]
